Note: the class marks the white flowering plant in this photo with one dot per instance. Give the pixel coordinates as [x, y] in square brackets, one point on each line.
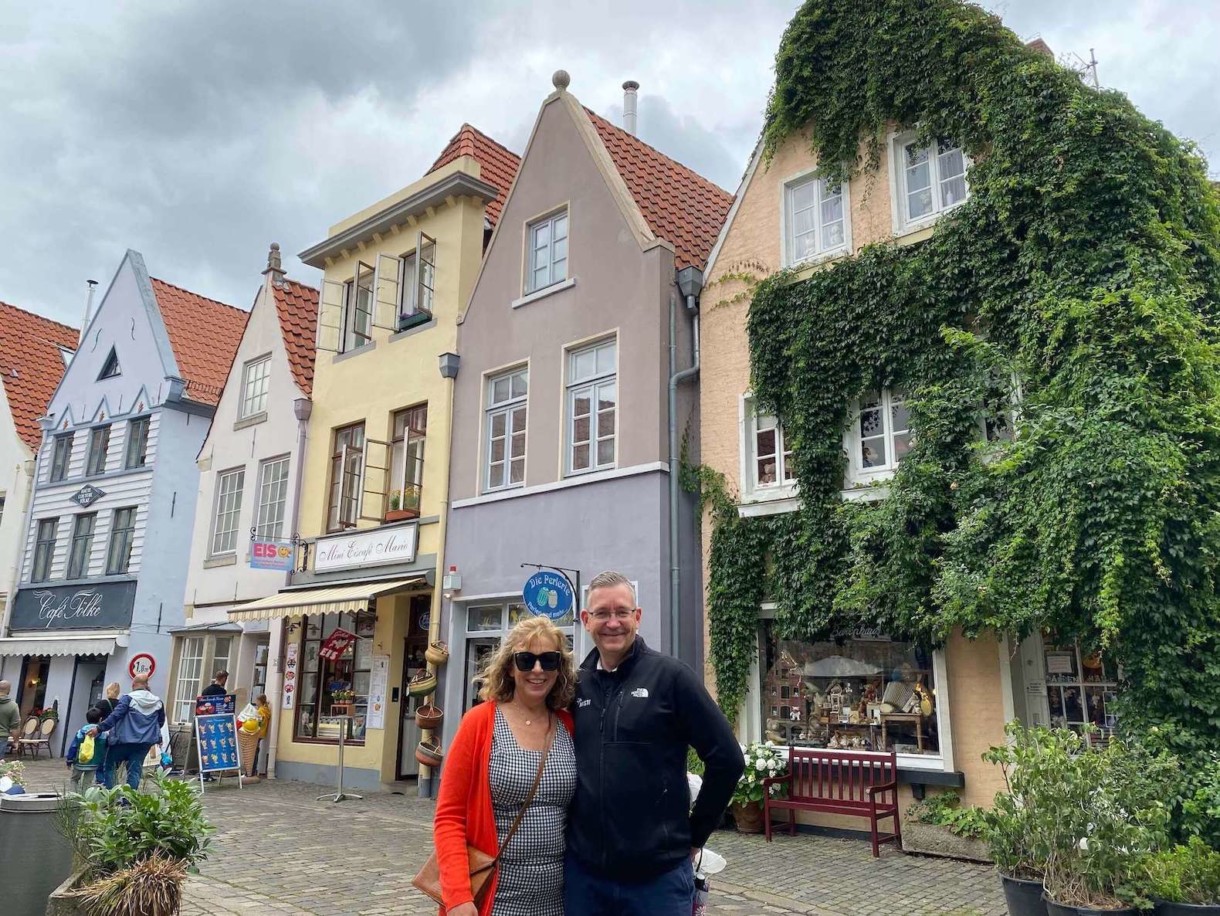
[763, 760]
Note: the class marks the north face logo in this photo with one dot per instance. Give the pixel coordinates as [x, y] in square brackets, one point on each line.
[641, 692]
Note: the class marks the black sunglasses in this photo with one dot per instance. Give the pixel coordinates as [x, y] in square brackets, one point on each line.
[525, 660]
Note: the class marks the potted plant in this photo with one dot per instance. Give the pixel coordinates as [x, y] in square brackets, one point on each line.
[134, 849]
[939, 826]
[403, 504]
[1108, 815]
[1183, 880]
[1021, 822]
[763, 761]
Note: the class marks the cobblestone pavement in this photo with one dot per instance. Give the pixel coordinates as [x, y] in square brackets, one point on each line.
[279, 850]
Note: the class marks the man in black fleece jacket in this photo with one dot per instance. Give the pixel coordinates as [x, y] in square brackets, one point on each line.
[631, 831]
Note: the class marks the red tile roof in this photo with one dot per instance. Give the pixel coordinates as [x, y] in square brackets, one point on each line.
[297, 307]
[204, 334]
[497, 164]
[679, 205]
[31, 366]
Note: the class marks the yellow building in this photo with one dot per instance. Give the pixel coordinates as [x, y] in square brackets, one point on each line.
[375, 475]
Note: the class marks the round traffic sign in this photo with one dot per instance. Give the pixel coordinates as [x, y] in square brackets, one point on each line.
[142, 665]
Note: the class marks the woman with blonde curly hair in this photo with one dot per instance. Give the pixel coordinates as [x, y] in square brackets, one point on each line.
[489, 771]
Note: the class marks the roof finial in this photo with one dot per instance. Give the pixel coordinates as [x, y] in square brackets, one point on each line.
[560, 80]
[274, 265]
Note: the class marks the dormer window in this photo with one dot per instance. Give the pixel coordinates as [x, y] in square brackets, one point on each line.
[548, 251]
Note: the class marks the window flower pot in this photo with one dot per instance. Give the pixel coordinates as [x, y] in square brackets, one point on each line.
[1024, 897]
[397, 515]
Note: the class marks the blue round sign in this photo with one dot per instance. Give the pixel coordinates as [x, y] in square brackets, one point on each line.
[548, 594]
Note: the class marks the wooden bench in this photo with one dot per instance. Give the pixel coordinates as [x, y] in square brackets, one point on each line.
[858, 783]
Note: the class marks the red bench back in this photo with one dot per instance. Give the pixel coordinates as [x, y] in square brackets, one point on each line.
[842, 777]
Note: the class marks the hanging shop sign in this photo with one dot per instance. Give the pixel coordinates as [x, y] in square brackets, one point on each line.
[548, 594]
[271, 553]
[336, 644]
[74, 607]
[142, 665]
[357, 549]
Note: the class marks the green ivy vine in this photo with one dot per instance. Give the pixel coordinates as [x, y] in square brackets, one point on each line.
[1078, 286]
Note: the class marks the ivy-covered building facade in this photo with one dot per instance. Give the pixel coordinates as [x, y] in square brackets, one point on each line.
[957, 398]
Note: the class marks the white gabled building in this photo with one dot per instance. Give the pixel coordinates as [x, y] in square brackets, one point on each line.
[105, 553]
[248, 493]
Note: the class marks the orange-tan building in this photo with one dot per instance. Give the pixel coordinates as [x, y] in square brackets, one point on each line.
[939, 710]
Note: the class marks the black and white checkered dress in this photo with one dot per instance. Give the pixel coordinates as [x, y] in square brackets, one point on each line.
[531, 866]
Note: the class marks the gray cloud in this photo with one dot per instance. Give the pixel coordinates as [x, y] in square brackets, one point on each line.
[199, 131]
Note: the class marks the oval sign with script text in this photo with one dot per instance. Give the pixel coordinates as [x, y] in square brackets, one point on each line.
[548, 594]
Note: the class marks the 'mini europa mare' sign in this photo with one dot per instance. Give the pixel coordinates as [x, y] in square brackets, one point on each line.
[375, 547]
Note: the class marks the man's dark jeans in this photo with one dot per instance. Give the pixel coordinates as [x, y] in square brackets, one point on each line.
[669, 894]
[131, 754]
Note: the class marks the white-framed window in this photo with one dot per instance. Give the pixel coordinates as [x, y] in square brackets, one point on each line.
[255, 380]
[136, 455]
[410, 435]
[815, 218]
[122, 539]
[507, 413]
[190, 673]
[547, 241]
[358, 309]
[272, 497]
[61, 457]
[487, 622]
[82, 545]
[768, 452]
[592, 404]
[44, 549]
[229, 486]
[929, 178]
[99, 446]
[880, 435]
[346, 478]
[417, 282]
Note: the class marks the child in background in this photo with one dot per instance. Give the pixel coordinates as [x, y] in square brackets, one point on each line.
[84, 768]
[264, 727]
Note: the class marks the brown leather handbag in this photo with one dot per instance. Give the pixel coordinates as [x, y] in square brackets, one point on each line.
[482, 866]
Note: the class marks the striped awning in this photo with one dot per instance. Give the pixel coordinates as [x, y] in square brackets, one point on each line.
[337, 599]
[58, 645]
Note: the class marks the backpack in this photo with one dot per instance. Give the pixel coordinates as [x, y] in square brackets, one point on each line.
[84, 753]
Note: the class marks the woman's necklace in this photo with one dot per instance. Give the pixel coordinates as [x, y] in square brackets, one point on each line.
[529, 716]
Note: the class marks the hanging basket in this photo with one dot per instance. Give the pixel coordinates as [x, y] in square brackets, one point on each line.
[422, 684]
[429, 753]
[437, 654]
[429, 717]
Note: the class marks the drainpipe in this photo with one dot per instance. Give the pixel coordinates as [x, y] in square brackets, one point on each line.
[301, 409]
[690, 284]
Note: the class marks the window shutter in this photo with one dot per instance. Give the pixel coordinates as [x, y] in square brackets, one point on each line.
[330, 317]
[425, 273]
[385, 300]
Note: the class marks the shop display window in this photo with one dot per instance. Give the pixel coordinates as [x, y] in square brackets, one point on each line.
[866, 692]
[487, 624]
[1080, 689]
[330, 688]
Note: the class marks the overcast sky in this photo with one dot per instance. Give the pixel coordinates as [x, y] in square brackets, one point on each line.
[199, 131]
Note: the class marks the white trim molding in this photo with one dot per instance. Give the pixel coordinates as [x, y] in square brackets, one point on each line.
[577, 481]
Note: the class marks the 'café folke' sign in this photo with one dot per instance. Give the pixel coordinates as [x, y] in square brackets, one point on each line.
[375, 547]
[74, 607]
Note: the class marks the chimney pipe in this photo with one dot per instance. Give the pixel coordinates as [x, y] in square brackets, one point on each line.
[629, 116]
[88, 311]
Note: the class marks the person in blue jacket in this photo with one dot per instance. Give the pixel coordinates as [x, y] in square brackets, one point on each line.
[133, 727]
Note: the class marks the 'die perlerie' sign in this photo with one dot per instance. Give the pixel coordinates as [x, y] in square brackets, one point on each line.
[548, 594]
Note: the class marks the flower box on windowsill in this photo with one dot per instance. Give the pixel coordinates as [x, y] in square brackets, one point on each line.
[415, 319]
[397, 515]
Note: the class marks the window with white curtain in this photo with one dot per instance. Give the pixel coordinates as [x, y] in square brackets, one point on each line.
[815, 218]
[229, 486]
[272, 497]
[592, 405]
[931, 178]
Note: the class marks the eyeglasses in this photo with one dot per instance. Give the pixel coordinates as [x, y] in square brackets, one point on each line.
[548, 660]
[620, 614]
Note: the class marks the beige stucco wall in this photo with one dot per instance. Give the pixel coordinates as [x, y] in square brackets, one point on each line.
[752, 246]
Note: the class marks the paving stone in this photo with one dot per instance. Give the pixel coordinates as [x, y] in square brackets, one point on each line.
[279, 850]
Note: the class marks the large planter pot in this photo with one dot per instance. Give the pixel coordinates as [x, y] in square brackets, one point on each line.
[1024, 898]
[63, 901]
[1060, 909]
[1186, 909]
[748, 816]
[934, 840]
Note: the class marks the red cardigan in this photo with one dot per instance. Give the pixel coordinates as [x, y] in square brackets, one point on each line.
[463, 808]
